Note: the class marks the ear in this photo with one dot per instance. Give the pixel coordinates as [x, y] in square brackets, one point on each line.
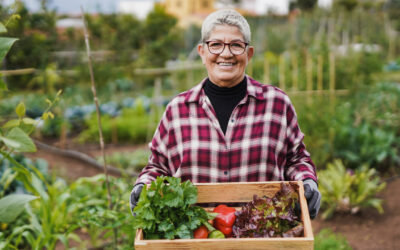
[201, 52]
[250, 52]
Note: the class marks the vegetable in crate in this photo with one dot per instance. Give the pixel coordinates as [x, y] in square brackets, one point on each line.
[225, 219]
[165, 210]
[270, 217]
[201, 232]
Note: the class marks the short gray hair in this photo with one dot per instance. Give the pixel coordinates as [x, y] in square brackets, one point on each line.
[225, 17]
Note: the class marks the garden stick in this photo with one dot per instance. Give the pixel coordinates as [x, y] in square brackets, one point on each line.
[250, 68]
[266, 70]
[332, 79]
[281, 72]
[320, 72]
[309, 75]
[96, 101]
[295, 73]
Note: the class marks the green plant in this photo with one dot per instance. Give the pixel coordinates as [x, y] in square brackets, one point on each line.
[165, 210]
[133, 125]
[92, 214]
[136, 160]
[328, 240]
[349, 191]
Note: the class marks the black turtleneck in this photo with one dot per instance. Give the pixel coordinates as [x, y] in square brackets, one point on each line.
[224, 100]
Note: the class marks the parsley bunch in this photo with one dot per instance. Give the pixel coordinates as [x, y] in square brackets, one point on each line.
[165, 210]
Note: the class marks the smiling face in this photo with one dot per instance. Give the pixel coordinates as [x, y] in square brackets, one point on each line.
[225, 69]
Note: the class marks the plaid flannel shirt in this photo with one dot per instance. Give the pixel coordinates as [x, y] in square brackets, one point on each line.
[263, 141]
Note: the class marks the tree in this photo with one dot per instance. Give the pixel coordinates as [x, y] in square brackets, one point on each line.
[348, 5]
[161, 39]
[393, 8]
[37, 37]
[306, 5]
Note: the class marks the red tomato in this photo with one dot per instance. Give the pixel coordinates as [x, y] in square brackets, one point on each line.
[201, 232]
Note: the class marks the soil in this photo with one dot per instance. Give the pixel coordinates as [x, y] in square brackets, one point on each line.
[367, 230]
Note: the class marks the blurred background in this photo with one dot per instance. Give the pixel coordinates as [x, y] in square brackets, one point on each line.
[338, 60]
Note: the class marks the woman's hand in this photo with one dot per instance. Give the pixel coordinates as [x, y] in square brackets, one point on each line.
[313, 197]
[135, 195]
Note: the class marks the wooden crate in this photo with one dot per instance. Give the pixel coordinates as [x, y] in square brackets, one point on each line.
[237, 192]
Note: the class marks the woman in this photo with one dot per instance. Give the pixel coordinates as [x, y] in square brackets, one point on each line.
[229, 127]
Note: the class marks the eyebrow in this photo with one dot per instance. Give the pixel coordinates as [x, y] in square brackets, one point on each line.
[234, 40]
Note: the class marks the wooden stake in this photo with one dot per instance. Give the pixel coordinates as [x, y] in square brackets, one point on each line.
[320, 72]
[156, 107]
[282, 72]
[250, 68]
[332, 79]
[309, 75]
[267, 70]
[96, 101]
[295, 71]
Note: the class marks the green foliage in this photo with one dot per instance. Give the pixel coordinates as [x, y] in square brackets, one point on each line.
[366, 144]
[306, 5]
[366, 128]
[348, 191]
[348, 5]
[92, 213]
[393, 8]
[328, 240]
[37, 37]
[133, 125]
[136, 160]
[165, 209]
[13, 205]
[161, 39]
[53, 127]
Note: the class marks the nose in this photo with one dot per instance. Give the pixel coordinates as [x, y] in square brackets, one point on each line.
[226, 52]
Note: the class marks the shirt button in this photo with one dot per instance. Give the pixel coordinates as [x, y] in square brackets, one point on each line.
[225, 172]
[232, 120]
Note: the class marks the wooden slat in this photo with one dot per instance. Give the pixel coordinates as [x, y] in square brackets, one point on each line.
[305, 216]
[229, 243]
[235, 191]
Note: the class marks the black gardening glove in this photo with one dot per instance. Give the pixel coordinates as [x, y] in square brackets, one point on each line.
[313, 197]
[135, 195]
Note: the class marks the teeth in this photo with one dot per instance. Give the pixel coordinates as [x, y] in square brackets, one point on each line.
[225, 64]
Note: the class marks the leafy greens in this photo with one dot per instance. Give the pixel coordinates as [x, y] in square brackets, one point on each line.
[165, 209]
[270, 217]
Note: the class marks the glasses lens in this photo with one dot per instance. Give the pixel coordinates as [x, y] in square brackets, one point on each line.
[216, 47]
[237, 48]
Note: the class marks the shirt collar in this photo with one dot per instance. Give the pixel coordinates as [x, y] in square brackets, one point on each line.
[254, 89]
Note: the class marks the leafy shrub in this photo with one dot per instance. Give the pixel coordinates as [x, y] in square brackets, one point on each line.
[8, 182]
[53, 127]
[366, 128]
[328, 240]
[88, 197]
[133, 125]
[136, 160]
[348, 191]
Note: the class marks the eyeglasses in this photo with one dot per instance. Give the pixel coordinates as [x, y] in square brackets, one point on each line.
[217, 47]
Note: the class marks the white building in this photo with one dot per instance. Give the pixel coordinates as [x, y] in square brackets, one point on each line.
[139, 8]
[262, 7]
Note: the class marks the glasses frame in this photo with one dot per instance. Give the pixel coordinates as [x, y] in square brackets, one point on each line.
[229, 47]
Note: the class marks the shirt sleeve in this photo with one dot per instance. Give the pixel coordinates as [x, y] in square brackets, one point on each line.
[299, 165]
[158, 160]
